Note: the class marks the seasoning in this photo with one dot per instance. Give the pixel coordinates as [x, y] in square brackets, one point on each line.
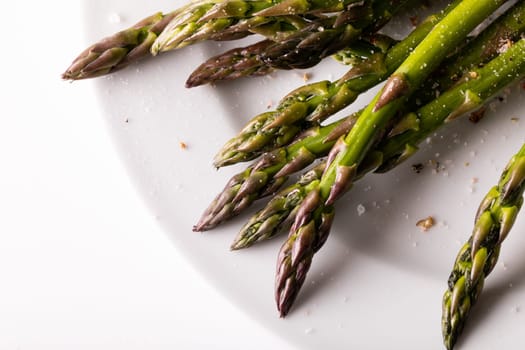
[417, 167]
[476, 116]
[426, 224]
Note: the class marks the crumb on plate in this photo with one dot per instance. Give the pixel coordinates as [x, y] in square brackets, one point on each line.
[426, 223]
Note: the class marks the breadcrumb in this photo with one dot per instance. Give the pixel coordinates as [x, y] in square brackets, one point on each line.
[426, 224]
[476, 116]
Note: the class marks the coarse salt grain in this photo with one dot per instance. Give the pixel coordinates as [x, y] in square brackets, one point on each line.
[360, 209]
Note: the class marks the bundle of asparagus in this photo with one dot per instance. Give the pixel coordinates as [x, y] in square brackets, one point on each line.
[299, 31]
[438, 72]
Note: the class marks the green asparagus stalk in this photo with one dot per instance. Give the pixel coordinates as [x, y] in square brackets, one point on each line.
[507, 28]
[363, 49]
[479, 255]
[317, 101]
[315, 214]
[303, 48]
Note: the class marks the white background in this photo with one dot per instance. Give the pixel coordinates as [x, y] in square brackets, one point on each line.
[83, 265]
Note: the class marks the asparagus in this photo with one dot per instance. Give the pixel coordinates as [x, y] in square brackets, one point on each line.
[316, 101]
[221, 20]
[303, 48]
[194, 23]
[270, 172]
[507, 28]
[213, 16]
[479, 255]
[119, 50]
[267, 175]
[230, 65]
[315, 214]
[278, 212]
[399, 145]
[363, 49]
[249, 61]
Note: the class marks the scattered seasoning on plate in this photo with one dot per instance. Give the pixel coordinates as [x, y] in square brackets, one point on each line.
[306, 77]
[436, 165]
[360, 209]
[414, 20]
[426, 224]
[476, 116]
[418, 167]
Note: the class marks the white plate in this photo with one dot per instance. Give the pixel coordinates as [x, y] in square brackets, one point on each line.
[378, 281]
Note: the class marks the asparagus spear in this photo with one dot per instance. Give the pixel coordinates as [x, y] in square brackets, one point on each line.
[232, 64]
[479, 255]
[317, 101]
[315, 214]
[303, 48]
[119, 50]
[507, 28]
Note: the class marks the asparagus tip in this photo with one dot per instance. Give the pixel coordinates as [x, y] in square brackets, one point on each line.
[201, 226]
[236, 246]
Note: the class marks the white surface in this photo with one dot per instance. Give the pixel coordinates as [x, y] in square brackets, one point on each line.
[84, 264]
